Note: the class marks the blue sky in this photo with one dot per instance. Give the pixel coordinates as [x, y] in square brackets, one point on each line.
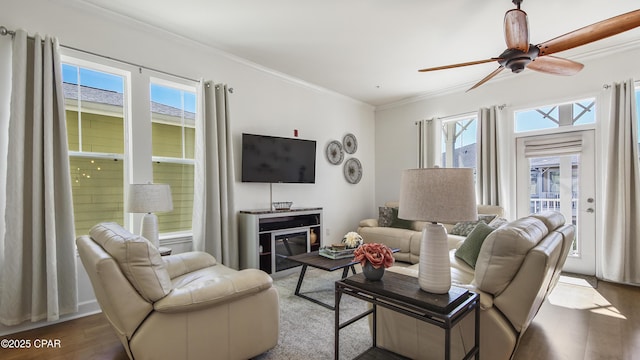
[115, 83]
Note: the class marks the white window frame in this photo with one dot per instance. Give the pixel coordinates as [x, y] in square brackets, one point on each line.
[138, 159]
[184, 85]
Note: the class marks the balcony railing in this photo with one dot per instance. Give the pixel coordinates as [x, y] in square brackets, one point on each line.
[537, 205]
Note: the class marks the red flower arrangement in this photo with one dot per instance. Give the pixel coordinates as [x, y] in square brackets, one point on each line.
[377, 254]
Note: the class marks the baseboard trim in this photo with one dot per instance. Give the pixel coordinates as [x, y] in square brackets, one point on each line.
[84, 309]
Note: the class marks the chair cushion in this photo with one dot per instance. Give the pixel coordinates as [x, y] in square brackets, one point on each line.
[552, 219]
[503, 252]
[139, 259]
[470, 248]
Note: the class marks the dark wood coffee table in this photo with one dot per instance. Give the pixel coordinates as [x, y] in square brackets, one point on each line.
[314, 259]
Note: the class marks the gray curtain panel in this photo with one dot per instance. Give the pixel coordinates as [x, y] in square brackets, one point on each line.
[214, 219]
[621, 232]
[38, 267]
[487, 179]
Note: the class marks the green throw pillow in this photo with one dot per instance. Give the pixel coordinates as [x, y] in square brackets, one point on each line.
[470, 248]
[400, 223]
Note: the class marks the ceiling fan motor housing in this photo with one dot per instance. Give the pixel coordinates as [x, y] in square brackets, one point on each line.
[517, 60]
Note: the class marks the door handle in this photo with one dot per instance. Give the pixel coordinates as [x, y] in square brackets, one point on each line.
[590, 210]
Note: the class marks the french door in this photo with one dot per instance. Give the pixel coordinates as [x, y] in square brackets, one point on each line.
[556, 172]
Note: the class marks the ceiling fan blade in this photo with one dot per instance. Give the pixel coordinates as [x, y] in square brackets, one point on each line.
[555, 65]
[459, 65]
[591, 33]
[487, 78]
[516, 30]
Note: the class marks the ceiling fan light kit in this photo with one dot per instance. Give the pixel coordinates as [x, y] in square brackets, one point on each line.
[520, 54]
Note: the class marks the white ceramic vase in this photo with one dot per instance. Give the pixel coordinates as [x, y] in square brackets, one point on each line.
[434, 271]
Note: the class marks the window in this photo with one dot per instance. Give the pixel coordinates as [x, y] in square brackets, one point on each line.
[459, 142]
[95, 129]
[100, 121]
[554, 116]
[173, 138]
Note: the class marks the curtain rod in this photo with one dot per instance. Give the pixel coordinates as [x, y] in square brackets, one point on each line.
[4, 31]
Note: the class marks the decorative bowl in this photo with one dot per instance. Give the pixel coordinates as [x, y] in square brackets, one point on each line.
[282, 205]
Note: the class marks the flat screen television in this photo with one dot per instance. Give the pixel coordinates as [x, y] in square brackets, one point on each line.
[271, 159]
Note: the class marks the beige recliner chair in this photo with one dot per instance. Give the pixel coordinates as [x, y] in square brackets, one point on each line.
[184, 306]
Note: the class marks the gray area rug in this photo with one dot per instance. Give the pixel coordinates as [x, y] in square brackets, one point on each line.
[307, 329]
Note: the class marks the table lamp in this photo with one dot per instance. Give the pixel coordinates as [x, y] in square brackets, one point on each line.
[148, 199]
[436, 195]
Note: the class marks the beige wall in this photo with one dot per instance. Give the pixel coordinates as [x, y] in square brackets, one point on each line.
[264, 101]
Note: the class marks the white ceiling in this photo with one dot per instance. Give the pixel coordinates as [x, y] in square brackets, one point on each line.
[371, 50]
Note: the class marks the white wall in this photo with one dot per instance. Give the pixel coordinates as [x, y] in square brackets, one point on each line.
[263, 102]
[396, 147]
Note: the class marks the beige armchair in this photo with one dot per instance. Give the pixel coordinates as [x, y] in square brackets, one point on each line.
[184, 306]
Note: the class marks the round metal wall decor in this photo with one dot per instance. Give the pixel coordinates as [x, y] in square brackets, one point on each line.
[353, 170]
[350, 143]
[335, 154]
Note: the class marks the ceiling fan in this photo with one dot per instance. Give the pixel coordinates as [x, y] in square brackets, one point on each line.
[520, 54]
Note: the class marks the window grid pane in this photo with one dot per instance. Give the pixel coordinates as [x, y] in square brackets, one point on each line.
[95, 129]
[459, 143]
[554, 116]
[173, 137]
[97, 191]
[180, 179]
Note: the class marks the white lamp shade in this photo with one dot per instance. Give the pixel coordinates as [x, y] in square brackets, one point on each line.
[445, 195]
[148, 198]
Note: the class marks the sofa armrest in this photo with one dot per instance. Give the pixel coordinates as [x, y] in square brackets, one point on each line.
[214, 290]
[486, 299]
[183, 263]
[369, 223]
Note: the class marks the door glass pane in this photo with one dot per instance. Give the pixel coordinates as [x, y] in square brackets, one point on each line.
[554, 186]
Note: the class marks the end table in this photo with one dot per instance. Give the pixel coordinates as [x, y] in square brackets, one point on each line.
[401, 293]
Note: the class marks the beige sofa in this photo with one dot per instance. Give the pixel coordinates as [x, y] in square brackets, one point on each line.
[408, 240]
[518, 265]
[184, 306]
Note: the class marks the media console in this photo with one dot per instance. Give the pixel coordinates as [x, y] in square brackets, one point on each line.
[268, 237]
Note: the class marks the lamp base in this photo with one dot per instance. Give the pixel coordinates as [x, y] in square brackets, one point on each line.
[434, 271]
[149, 229]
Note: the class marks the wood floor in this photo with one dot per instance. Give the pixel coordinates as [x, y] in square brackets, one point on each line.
[577, 322]
[582, 322]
